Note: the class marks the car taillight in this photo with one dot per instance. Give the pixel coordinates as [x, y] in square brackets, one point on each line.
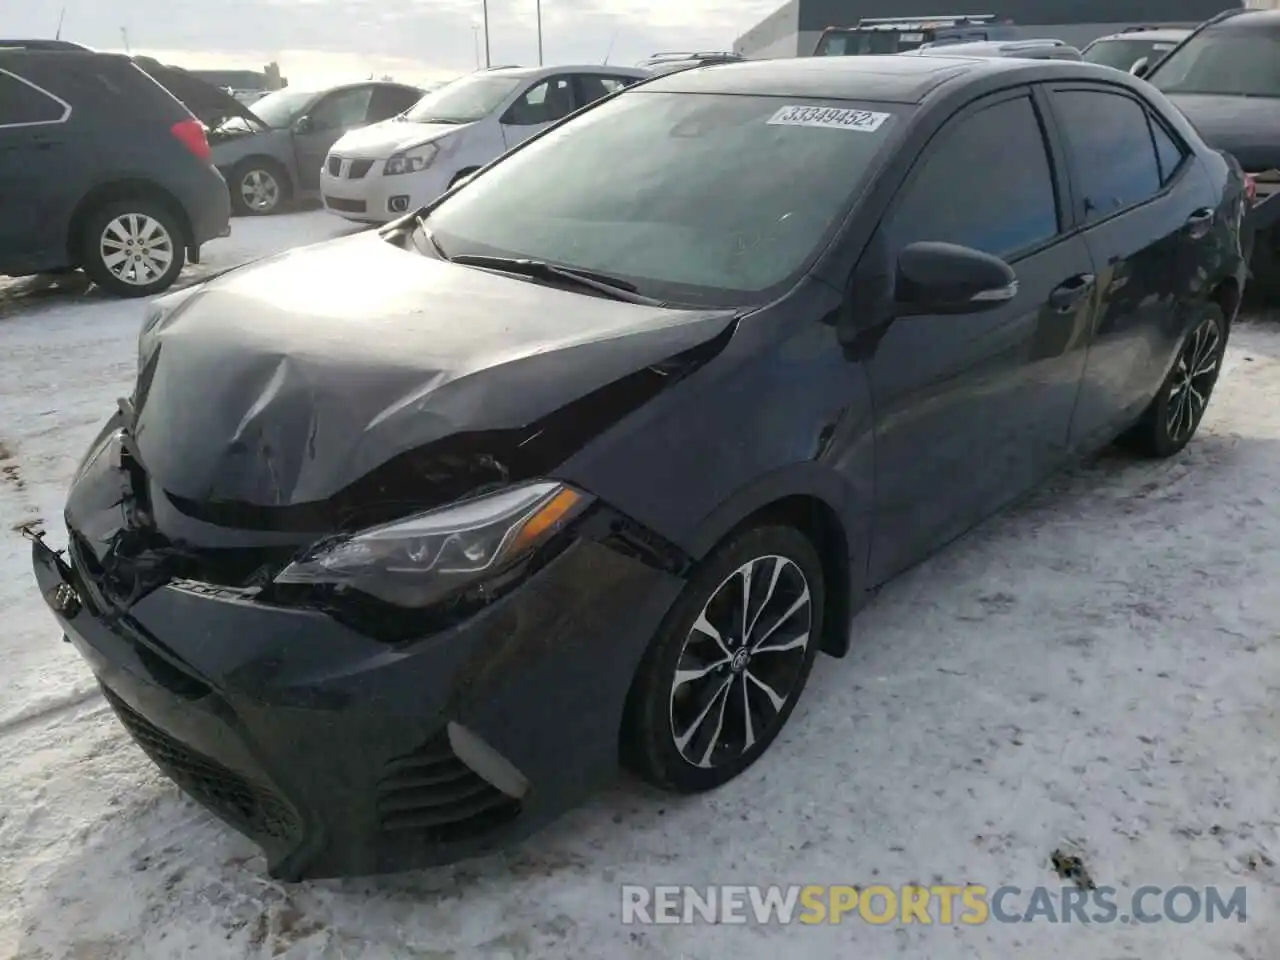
[1250, 187]
[192, 136]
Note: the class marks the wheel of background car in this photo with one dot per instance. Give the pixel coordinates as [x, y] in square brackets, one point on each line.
[729, 663]
[259, 188]
[133, 248]
[461, 175]
[1175, 413]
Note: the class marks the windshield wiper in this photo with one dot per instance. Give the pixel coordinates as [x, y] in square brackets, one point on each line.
[604, 283]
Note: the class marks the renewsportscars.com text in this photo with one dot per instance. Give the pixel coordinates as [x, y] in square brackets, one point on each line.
[970, 905]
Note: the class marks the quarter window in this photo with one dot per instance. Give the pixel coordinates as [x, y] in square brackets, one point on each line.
[1169, 152]
[21, 103]
[1111, 144]
[985, 183]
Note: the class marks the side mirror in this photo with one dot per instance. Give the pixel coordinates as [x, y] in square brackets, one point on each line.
[943, 278]
[1141, 67]
[304, 124]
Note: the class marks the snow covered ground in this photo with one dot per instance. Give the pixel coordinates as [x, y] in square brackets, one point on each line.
[1098, 667]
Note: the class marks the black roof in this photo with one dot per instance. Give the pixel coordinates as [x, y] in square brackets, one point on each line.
[888, 79]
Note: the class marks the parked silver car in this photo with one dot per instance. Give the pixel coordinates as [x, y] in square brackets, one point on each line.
[271, 153]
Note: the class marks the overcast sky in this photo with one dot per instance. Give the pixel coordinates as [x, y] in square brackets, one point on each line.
[333, 40]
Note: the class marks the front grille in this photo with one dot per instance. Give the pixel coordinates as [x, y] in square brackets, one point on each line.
[346, 206]
[252, 808]
[359, 168]
[431, 796]
[335, 166]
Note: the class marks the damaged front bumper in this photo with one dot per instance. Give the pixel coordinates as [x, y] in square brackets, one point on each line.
[342, 755]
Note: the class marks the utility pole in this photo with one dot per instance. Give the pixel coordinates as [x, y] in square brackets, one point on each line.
[488, 61]
[62, 15]
[539, 2]
[124, 35]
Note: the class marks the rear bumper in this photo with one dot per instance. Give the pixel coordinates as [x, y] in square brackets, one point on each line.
[208, 205]
[339, 755]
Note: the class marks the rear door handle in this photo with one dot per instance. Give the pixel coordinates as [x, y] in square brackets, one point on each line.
[1070, 292]
[1199, 223]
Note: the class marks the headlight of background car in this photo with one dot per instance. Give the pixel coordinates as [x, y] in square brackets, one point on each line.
[411, 161]
[417, 561]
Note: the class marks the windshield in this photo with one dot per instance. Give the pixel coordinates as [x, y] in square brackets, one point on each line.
[857, 43]
[692, 198]
[465, 100]
[1123, 54]
[281, 108]
[1232, 63]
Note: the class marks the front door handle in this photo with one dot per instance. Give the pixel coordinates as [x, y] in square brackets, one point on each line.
[1200, 222]
[1070, 292]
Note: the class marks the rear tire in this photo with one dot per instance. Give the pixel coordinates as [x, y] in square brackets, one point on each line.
[720, 678]
[259, 187]
[133, 247]
[1178, 407]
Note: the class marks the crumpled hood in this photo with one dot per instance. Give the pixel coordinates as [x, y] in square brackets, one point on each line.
[1246, 127]
[284, 382]
[381, 140]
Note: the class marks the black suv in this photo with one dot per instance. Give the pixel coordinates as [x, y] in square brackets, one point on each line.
[101, 168]
[1225, 78]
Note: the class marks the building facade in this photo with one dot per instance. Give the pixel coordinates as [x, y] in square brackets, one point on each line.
[794, 28]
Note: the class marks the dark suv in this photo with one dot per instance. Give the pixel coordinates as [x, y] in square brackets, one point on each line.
[1225, 78]
[101, 168]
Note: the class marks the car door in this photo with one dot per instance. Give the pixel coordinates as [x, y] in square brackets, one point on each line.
[389, 100]
[971, 410]
[1146, 206]
[545, 102]
[33, 149]
[329, 118]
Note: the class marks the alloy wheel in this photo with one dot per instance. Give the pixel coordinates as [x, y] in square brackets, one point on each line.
[1193, 380]
[742, 661]
[136, 249]
[260, 191]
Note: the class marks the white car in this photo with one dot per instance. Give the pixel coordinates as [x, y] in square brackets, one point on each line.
[380, 172]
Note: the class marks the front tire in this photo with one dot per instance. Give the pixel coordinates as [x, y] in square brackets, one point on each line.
[1175, 414]
[728, 665]
[259, 188]
[133, 248]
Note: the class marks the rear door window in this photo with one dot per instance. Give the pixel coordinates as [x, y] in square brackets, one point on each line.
[24, 104]
[986, 182]
[1111, 145]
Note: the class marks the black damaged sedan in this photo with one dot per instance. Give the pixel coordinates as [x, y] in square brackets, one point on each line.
[403, 540]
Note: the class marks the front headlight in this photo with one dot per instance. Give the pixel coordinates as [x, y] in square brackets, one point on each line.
[411, 161]
[417, 561]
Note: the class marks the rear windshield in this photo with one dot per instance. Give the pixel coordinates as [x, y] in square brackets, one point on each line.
[1223, 62]
[694, 198]
[855, 43]
[1123, 54]
[466, 100]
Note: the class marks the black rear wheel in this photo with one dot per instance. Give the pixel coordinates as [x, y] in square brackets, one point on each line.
[728, 666]
[1179, 406]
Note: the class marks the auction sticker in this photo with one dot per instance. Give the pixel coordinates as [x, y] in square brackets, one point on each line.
[841, 118]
